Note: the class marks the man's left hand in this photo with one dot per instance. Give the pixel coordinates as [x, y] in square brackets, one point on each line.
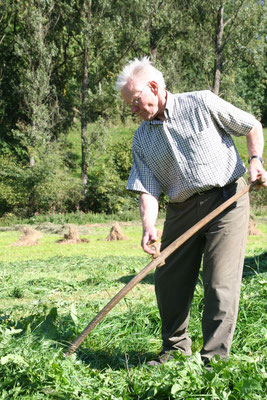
[257, 172]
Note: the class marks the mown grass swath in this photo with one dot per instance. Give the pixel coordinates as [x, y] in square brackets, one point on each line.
[46, 302]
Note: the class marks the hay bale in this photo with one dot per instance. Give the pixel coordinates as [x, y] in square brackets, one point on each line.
[72, 237]
[116, 233]
[252, 228]
[30, 237]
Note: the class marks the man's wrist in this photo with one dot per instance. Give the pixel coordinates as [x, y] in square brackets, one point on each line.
[257, 157]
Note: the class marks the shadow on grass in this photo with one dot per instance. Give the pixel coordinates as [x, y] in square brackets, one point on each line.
[252, 266]
[99, 359]
[149, 279]
[255, 265]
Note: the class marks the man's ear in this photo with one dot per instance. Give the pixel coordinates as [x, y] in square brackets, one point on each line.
[154, 87]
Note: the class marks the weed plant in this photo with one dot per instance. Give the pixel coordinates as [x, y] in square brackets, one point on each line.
[47, 302]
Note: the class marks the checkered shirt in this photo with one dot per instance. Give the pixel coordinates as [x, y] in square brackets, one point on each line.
[192, 150]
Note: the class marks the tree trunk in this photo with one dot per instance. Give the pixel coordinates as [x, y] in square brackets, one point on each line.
[85, 83]
[218, 51]
[32, 161]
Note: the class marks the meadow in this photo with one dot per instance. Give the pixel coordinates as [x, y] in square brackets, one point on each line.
[50, 292]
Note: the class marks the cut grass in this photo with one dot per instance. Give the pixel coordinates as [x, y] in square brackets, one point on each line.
[47, 301]
[97, 246]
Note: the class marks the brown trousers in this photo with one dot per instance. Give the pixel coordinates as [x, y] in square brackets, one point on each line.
[221, 244]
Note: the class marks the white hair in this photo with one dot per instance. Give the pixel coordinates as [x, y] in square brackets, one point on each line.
[142, 68]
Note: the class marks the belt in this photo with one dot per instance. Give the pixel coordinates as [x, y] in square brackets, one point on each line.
[222, 189]
[215, 189]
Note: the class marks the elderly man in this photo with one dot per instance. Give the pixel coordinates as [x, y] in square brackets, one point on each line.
[184, 148]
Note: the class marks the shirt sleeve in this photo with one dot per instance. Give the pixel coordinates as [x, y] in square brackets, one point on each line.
[141, 178]
[231, 119]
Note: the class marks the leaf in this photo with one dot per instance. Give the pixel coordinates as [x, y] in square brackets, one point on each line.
[15, 358]
[73, 314]
[12, 331]
[264, 332]
[248, 359]
[248, 385]
[48, 327]
[175, 388]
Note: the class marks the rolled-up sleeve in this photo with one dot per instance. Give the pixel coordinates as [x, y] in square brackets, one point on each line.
[141, 178]
[231, 119]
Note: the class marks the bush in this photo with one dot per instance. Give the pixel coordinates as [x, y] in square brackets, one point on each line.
[13, 193]
[121, 154]
[107, 192]
[258, 201]
[58, 191]
[49, 185]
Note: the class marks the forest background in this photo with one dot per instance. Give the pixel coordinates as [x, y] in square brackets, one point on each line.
[65, 135]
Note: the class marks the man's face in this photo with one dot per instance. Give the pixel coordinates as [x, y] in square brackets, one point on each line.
[142, 98]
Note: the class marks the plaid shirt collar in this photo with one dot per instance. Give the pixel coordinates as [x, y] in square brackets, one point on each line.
[169, 106]
[169, 109]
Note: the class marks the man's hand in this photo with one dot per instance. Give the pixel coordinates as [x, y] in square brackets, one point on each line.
[257, 172]
[255, 143]
[149, 237]
[149, 213]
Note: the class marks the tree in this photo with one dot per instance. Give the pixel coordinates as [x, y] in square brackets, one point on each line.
[103, 33]
[39, 103]
[9, 77]
[227, 28]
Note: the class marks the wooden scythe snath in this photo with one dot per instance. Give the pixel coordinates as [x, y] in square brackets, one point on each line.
[157, 262]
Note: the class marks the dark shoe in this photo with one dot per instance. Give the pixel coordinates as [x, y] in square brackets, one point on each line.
[163, 357]
[207, 365]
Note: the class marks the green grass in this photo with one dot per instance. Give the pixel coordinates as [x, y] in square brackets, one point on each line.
[97, 246]
[48, 247]
[50, 292]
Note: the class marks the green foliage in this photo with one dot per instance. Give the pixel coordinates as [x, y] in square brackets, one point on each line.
[53, 187]
[122, 158]
[47, 186]
[38, 99]
[107, 192]
[78, 217]
[50, 50]
[249, 72]
[258, 201]
[42, 48]
[12, 191]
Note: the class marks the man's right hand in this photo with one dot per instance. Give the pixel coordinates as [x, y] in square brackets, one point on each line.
[149, 212]
[149, 237]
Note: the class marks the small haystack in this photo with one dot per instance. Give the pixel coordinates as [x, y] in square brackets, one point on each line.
[252, 228]
[30, 237]
[115, 233]
[72, 237]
